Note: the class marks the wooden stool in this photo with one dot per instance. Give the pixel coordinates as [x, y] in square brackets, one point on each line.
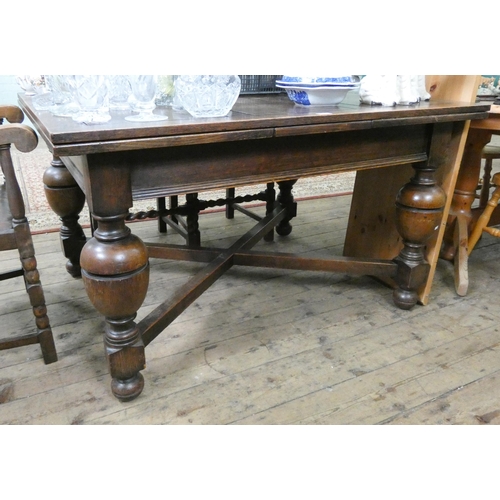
[482, 223]
[489, 154]
[15, 234]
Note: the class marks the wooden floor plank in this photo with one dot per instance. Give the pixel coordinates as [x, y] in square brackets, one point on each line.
[266, 346]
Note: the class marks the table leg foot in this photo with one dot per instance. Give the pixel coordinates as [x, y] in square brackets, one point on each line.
[404, 299]
[127, 390]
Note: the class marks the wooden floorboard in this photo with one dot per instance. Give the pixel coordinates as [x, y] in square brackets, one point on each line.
[266, 346]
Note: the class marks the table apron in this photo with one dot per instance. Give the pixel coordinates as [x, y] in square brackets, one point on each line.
[196, 168]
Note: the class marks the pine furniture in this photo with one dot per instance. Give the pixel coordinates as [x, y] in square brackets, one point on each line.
[463, 215]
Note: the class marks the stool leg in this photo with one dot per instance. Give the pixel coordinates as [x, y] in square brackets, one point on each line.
[483, 220]
[485, 189]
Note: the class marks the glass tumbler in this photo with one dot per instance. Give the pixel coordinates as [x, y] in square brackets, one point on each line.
[91, 93]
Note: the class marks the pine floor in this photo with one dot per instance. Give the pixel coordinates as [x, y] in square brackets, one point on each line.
[266, 346]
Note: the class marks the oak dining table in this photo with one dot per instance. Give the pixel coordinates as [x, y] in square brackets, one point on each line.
[265, 139]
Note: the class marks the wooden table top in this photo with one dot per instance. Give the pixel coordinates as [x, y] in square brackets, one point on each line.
[251, 117]
[492, 123]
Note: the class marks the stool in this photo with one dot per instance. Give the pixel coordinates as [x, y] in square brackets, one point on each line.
[482, 223]
[489, 154]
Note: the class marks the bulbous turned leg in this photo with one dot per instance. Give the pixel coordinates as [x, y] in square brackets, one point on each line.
[66, 199]
[115, 272]
[285, 198]
[419, 208]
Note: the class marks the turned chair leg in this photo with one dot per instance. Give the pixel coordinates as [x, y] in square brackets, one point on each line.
[482, 222]
[162, 205]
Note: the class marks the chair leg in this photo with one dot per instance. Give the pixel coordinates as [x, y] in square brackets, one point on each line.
[161, 205]
[174, 203]
[192, 227]
[230, 193]
[35, 292]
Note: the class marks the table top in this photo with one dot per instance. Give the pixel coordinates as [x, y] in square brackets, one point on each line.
[251, 117]
[491, 123]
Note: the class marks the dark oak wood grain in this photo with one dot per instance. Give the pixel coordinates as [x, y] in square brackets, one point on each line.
[265, 139]
[15, 234]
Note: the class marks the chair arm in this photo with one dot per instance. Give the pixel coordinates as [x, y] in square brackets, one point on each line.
[13, 114]
[22, 136]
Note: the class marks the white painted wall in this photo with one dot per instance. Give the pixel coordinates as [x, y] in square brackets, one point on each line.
[8, 89]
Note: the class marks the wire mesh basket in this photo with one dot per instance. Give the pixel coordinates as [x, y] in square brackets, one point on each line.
[259, 84]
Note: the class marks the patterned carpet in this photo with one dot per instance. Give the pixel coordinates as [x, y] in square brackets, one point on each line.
[31, 166]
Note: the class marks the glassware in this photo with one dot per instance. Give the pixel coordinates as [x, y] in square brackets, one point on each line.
[144, 92]
[91, 93]
[165, 90]
[36, 86]
[206, 96]
[119, 92]
[31, 84]
[63, 101]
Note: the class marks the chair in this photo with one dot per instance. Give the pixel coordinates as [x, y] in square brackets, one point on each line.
[187, 226]
[15, 233]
